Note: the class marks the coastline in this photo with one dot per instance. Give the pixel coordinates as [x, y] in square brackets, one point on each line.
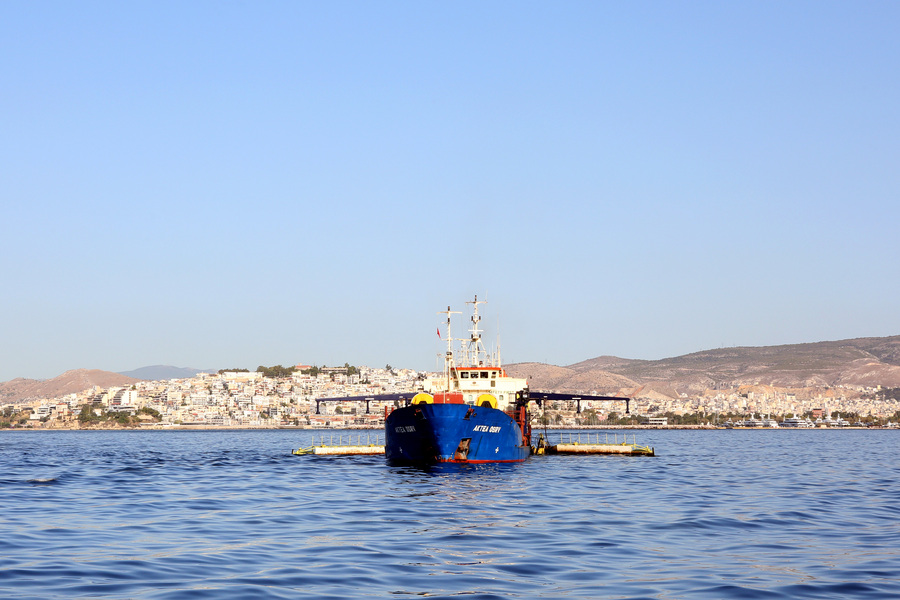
[199, 427]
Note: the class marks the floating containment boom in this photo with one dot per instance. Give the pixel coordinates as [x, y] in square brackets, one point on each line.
[341, 450]
[591, 444]
[629, 449]
[564, 444]
[344, 445]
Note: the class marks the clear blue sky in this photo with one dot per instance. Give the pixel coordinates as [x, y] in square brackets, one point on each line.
[229, 184]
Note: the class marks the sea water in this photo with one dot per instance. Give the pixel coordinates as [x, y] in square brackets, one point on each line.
[167, 515]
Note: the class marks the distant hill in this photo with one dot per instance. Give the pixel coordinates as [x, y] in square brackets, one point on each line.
[163, 372]
[70, 382]
[568, 379]
[860, 361]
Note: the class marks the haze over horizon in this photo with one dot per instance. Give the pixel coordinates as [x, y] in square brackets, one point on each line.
[237, 184]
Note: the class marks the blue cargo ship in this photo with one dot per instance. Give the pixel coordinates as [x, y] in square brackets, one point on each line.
[432, 432]
[473, 412]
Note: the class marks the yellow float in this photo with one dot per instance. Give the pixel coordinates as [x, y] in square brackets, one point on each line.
[487, 400]
[423, 398]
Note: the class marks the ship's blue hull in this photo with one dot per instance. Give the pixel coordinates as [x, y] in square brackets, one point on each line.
[433, 433]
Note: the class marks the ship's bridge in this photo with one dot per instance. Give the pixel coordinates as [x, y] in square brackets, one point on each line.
[479, 373]
[475, 381]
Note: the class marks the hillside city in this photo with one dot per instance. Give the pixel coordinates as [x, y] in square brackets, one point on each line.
[288, 398]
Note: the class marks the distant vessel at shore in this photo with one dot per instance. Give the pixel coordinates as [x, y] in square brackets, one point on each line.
[770, 423]
[797, 422]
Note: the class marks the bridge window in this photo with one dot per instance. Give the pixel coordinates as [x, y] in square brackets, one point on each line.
[464, 374]
[484, 374]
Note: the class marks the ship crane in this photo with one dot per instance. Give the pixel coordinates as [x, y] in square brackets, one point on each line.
[540, 397]
[525, 396]
[404, 396]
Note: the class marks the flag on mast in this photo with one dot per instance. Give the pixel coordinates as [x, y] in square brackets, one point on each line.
[439, 332]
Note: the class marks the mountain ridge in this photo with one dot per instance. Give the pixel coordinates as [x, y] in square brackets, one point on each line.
[161, 372]
[868, 362]
[70, 382]
[858, 361]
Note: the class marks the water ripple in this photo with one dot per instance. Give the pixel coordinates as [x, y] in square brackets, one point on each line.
[176, 515]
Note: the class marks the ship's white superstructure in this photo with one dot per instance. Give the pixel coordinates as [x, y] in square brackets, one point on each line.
[474, 372]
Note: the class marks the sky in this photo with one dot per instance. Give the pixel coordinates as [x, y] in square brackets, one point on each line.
[233, 184]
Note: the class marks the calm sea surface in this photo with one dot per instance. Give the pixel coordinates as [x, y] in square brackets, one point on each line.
[208, 514]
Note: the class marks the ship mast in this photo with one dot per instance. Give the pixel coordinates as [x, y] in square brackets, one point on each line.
[499, 363]
[448, 356]
[475, 352]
